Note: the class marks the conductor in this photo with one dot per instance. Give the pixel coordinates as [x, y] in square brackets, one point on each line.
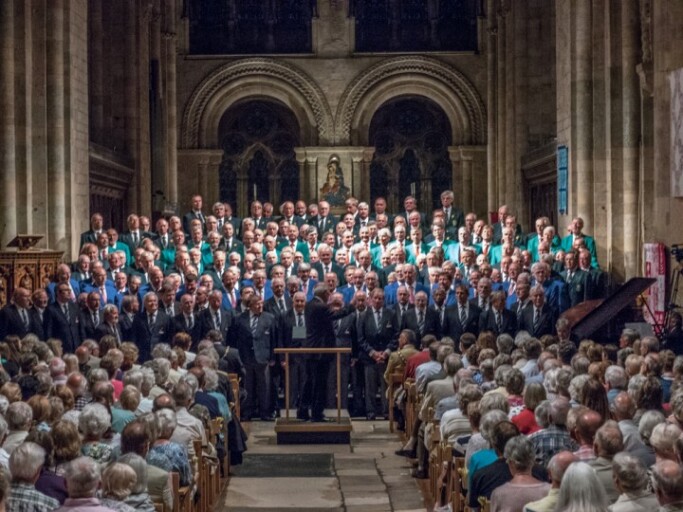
[319, 334]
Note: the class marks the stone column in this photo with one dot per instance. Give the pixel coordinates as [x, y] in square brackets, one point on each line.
[97, 63]
[466, 165]
[170, 41]
[501, 107]
[56, 142]
[8, 216]
[456, 170]
[630, 53]
[491, 111]
[582, 111]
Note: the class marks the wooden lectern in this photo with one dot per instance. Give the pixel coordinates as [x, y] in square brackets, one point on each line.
[26, 266]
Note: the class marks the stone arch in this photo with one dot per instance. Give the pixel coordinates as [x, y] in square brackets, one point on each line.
[411, 76]
[253, 79]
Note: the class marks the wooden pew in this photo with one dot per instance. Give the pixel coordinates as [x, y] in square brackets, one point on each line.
[457, 496]
[395, 381]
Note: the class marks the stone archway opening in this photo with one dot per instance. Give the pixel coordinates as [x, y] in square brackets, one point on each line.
[411, 136]
[258, 137]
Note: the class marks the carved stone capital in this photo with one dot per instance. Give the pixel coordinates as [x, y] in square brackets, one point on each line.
[169, 35]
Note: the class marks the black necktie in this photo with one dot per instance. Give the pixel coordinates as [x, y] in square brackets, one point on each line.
[420, 321]
[218, 320]
[65, 308]
[537, 318]
[299, 320]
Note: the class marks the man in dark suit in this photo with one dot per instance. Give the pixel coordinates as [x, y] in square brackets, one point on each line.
[410, 205]
[61, 319]
[578, 281]
[319, 319]
[15, 318]
[421, 319]
[90, 318]
[229, 242]
[37, 312]
[453, 216]
[326, 264]
[346, 333]
[96, 227]
[539, 318]
[256, 334]
[130, 306]
[519, 300]
[186, 320]
[498, 319]
[133, 237]
[256, 211]
[325, 222]
[461, 318]
[279, 303]
[377, 338]
[215, 317]
[110, 324]
[195, 213]
[402, 305]
[150, 327]
[292, 335]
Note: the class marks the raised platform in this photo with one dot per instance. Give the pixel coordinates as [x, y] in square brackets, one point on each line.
[293, 431]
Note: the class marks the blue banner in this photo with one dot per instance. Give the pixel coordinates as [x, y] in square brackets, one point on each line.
[562, 179]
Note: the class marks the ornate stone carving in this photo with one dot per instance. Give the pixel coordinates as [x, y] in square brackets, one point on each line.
[432, 69]
[259, 70]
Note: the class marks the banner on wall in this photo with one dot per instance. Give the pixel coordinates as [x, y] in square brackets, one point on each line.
[563, 179]
[655, 297]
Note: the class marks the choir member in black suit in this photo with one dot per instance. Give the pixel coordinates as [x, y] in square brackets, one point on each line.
[346, 336]
[61, 319]
[256, 333]
[378, 337]
[319, 318]
[91, 317]
[539, 318]
[498, 319]
[215, 317]
[292, 335]
[15, 318]
[109, 324]
[421, 319]
[186, 321]
[151, 326]
[462, 317]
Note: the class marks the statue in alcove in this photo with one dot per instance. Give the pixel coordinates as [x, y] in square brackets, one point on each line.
[334, 191]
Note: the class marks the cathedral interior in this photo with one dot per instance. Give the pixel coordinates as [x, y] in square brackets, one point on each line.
[135, 105]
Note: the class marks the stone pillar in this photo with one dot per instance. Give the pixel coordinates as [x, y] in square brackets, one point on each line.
[466, 165]
[582, 111]
[97, 63]
[630, 53]
[456, 170]
[170, 41]
[56, 142]
[501, 107]
[8, 215]
[491, 111]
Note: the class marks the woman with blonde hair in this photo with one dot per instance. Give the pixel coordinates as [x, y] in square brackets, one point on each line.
[118, 482]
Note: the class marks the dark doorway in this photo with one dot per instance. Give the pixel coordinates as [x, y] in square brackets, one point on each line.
[258, 140]
[411, 136]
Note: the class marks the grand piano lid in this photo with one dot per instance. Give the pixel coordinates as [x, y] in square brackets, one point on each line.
[591, 315]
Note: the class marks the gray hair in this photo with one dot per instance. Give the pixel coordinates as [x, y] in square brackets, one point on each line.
[520, 453]
[210, 379]
[3, 427]
[615, 376]
[4, 404]
[162, 350]
[494, 402]
[118, 481]
[500, 376]
[490, 420]
[543, 414]
[609, 439]
[576, 387]
[148, 380]
[559, 408]
[505, 343]
[648, 421]
[19, 416]
[167, 422]
[25, 462]
[664, 436]
[630, 472]
[631, 335]
[581, 490]
[452, 364]
[82, 477]
[133, 377]
[140, 467]
[667, 479]
[94, 420]
[191, 381]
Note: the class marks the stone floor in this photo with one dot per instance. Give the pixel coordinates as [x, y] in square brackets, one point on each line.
[366, 476]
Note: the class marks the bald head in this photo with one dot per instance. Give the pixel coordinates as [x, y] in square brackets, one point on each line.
[77, 384]
[558, 465]
[667, 478]
[587, 425]
[623, 407]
